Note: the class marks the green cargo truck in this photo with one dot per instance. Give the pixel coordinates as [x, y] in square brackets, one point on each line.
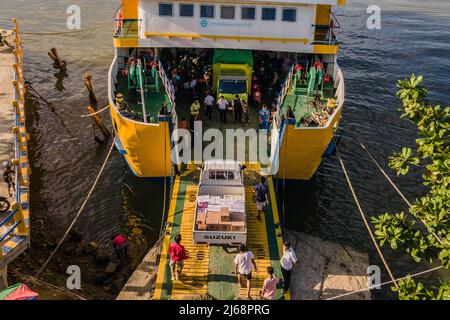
[232, 73]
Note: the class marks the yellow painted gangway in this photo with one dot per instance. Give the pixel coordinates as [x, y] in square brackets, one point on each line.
[208, 270]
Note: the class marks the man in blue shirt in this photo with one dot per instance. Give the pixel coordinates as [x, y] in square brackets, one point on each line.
[262, 196]
[264, 115]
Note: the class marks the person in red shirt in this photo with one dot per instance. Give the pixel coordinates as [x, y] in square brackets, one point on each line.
[318, 65]
[120, 244]
[119, 22]
[257, 98]
[177, 256]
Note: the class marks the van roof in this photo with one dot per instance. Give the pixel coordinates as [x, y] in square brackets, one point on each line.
[222, 165]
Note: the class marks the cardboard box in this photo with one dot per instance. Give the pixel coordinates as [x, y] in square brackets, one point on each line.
[213, 217]
[224, 214]
[224, 227]
[237, 228]
[213, 227]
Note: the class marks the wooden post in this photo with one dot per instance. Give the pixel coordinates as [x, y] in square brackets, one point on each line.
[88, 84]
[99, 122]
[57, 62]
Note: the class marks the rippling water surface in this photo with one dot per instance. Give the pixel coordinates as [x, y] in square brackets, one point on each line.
[414, 38]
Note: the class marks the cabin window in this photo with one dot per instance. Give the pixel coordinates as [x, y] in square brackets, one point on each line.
[186, 10]
[248, 13]
[289, 15]
[227, 12]
[269, 14]
[206, 11]
[221, 175]
[166, 9]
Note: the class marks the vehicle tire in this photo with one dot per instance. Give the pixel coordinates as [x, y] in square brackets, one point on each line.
[4, 205]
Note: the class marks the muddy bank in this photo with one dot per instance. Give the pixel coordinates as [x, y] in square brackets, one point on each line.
[102, 274]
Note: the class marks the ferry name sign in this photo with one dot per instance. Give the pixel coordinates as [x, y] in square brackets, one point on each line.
[204, 23]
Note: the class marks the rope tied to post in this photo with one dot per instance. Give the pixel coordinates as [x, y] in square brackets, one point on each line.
[79, 211]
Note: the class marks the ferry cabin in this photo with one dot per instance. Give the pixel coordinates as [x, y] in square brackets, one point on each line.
[302, 32]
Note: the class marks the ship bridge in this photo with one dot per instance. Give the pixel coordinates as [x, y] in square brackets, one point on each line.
[304, 26]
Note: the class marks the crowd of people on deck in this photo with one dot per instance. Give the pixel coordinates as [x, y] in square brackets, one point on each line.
[190, 71]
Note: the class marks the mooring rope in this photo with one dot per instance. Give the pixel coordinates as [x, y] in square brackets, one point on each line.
[84, 115]
[364, 218]
[79, 211]
[385, 283]
[165, 182]
[51, 105]
[392, 183]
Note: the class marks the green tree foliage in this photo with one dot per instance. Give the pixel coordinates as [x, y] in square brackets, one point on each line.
[432, 156]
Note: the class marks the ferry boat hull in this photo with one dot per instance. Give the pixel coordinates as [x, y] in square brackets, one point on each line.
[297, 151]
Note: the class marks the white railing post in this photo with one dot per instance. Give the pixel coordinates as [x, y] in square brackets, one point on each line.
[144, 111]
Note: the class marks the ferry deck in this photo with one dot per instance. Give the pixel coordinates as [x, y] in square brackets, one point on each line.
[207, 273]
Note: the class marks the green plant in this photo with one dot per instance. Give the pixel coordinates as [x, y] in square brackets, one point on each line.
[432, 156]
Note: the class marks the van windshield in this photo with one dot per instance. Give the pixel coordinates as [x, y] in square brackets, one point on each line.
[233, 86]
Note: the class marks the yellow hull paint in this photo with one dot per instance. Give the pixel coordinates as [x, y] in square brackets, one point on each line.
[126, 42]
[147, 146]
[325, 49]
[302, 149]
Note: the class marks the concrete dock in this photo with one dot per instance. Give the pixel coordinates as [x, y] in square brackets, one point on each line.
[15, 222]
[141, 284]
[326, 269]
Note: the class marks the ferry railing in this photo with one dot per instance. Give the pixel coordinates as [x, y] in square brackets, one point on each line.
[16, 214]
[327, 37]
[173, 117]
[170, 90]
[127, 28]
[284, 89]
[278, 131]
[276, 128]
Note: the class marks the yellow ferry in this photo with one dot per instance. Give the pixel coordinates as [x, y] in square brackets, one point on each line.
[302, 30]
[277, 59]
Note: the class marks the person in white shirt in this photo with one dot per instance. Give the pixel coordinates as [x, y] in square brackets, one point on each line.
[288, 261]
[222, 104]
[209, 101]
[244, 264]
